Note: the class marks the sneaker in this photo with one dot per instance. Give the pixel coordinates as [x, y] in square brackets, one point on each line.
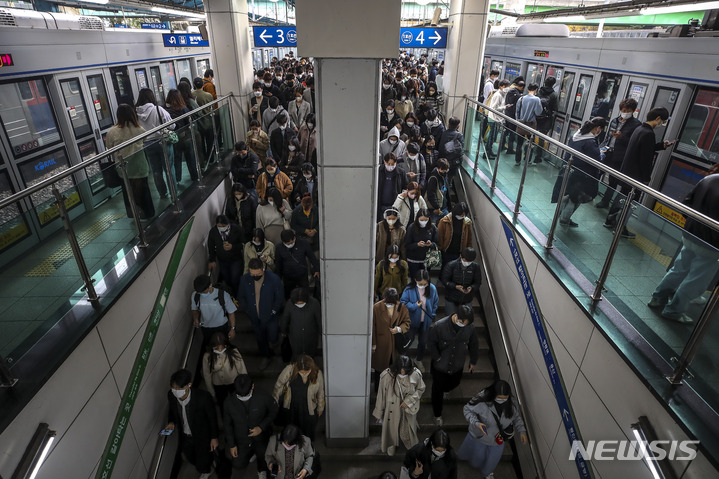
[264, 363]
[491, 476]
[569, 223]
[602, 204]
[609, 224]
[438, 421]
[655, 303]
[391, 450]
[262, 475]
[628, 234]
[701, 300]
[680, 318]
[537, 161]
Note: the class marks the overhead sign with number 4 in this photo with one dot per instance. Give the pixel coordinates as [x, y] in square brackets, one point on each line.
[423, 38]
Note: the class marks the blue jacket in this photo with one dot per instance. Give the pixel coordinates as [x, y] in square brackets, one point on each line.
[410, 296]
[272, 297]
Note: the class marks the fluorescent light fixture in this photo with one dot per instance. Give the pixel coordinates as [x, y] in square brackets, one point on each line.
[422, 2]
[101, 2]
[565, 19]
[179, 13]
[640, 430]
[274, 1]
[36, 453]
[686, 7]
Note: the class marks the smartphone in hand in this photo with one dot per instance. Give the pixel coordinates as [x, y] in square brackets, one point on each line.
[166, 432]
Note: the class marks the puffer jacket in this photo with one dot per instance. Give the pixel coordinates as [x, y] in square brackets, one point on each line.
[449, 345]
[454, 274]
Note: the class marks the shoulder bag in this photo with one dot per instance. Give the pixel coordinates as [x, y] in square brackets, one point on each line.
[433, 258]
[170, 136]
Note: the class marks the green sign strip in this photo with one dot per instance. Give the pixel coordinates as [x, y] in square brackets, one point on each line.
[122, 419]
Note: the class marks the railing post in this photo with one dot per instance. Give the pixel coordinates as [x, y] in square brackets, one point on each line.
[216, 133]
[198, 161]
[558, 209]
[6, 379]
[171, 183]
[623, 217]
[493, 186]
[133, 207]
[75, 246]
[527, 159]
[695, 340]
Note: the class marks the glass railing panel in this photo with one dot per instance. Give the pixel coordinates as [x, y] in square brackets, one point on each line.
[703, 371]
[472, 130]
[226, 139]
[184, 161]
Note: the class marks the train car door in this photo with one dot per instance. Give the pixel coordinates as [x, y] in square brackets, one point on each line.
[122, 85]
[89, 112]
[666, 95]
[565, 91]
[156, 84]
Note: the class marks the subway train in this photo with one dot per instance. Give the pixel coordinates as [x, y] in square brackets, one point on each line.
[61, 80]
[595, 74]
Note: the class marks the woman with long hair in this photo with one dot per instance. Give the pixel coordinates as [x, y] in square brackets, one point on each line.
[421, 299]
[398, 398]
[290, 454]
[150, 115]
[390, 231]
[493, 418]
[176, 107]
[220, 366]
[136, 167]
[273, 215]
[391, 272]
[433, 457]
[300, 391]
[259, 247]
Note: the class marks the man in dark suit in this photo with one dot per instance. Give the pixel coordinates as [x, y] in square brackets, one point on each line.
[193, 412]
[291, 258]
[281, 136]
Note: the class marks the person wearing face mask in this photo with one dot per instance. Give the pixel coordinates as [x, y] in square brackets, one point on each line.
[217, 315]
[220, 367]
[403, 105]
[290, 454]
[388, 92]
[261, 297]
[390, 231]
[306, 222]
[287, 90]
[244, 166]
[301, 323]
[436, 193]
[429, 152]
[272, 115]
[391, 181]
[410, 122]
[450, 340]
[527, 110]
[393, 144]
[273, 215]
[292, 257]
[308, 139]
[454, 233]
[192, 413]
[398, 400]
[306, 185]
[387, 116]
[241, 208]
[421, 236]
[292, 161]
[258, 102]
[391, 272]
[309, 93]
[414, 165]
[582, 184]
[259, 247]
[248, 416]
[269, 89]
[389, 317]
[282, 136]
[615, 144]
[409, 202]
[299, 390]
[497, 102]
[461, 279]
[208, 84]
[422, 300]
[431, 99]
[273, 178]
[432, 457]
[278, 79]
[493, 419]
[258, 142]
[432, 126]
[224, 246]
[298, 107]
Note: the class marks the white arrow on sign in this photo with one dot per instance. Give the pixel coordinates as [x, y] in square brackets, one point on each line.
[565, 413]
[263, 36]
[436, 37]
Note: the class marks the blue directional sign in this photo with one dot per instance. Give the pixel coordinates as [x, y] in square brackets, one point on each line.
[154, 26]
[423, 38]
[184, 40]
[275, 36]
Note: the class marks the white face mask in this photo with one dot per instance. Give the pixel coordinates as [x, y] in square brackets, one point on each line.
[390, 167]
[308, 177]
[410, 124]
[391, 222]
[401, 376]
[393, 142]
[268, 84]
[438, 453]
[301, 305]
[393, 260]
[390, 112]
[423, 223]
[298, 99]
[500, 401]
[389, 306]
[256, 243]
[310, 125]
[282, 127]
[626, 116]
[421, 288]
[290, 246]
[466, 263]
[244, 398]
[179, 393]
[292, 147]
[219, 352]
[289, 448]
[412, 157]
[271, 203]
[386, 86]
[279, 77]
[257, 93]
[460, 323]
[459, 218]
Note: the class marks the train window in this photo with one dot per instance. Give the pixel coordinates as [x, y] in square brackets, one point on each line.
[122, 86]
[638, 91]
[557, 133]
[607, 92]
[534, 73]
[157, 84]
[27, 116]
[183, 69]
[167, 73]
[40, 168]
[88, 149]
[497, 65]
[13, 226]
[203, 65]
[565, 91]
[512, 71]
[100, 101]
[558, 73]
[681, 178]
[141, 75]
[700, 134]
[573, 128]
[75, 107]
[664, 98]
[580, 97]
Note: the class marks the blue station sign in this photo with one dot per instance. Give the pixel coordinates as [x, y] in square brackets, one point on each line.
[154, 26]
[184, 40]
[275, 36]
[423, 38]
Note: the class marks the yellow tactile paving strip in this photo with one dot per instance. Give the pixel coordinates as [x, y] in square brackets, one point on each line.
[652, 250]
[50, 264]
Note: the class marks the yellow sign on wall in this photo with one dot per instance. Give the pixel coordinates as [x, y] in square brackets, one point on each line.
[670, 214]
[53, 211]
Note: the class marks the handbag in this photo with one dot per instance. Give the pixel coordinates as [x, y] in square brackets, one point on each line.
[171, 137]
[433, 258]
[110, 175]
[401, 340]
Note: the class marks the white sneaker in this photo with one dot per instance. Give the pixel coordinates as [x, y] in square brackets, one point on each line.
[391, 450]
[438, 421]
[206, 475]
[491, 476]
[253, 458]
[262, 475]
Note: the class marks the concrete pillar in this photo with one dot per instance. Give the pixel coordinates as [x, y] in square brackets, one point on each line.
[231, 45]
[347, 75]
[465, 51]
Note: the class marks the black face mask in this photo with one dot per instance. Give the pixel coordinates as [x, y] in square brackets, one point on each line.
[257, 278]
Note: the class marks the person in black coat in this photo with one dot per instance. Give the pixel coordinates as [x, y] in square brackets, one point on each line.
[461, 278]
[291, 258]
[513, 95]
[306, 184]
[433, 127]
[434, 456]
[452, 140]
[248, 418]
[391, 181]
[225, 249]
[437, 192]
[615, 144]
[281, 137]
[241, 209]
[638, 162]
[244, 166]
[302, 322]
[421, 235]
[199, 433]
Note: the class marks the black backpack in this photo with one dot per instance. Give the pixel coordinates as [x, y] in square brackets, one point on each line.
[546, 110]
[220, 287]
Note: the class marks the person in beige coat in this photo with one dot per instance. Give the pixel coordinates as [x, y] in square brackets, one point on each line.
[408, 204]
[221, 366]
[398, 398]
[259, 247]
[390, 231]
[300, 392]
[258, 141]
[290, 443]
[389, 317]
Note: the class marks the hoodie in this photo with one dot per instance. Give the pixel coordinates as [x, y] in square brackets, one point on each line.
[148, 119]
[399, 149]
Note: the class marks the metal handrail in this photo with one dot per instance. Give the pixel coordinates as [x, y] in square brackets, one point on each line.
[505, 341]
[671, 202]
[84, 164]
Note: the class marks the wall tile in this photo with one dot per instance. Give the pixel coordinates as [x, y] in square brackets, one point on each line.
[345, 308]
[346, 369]
[347, 416]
